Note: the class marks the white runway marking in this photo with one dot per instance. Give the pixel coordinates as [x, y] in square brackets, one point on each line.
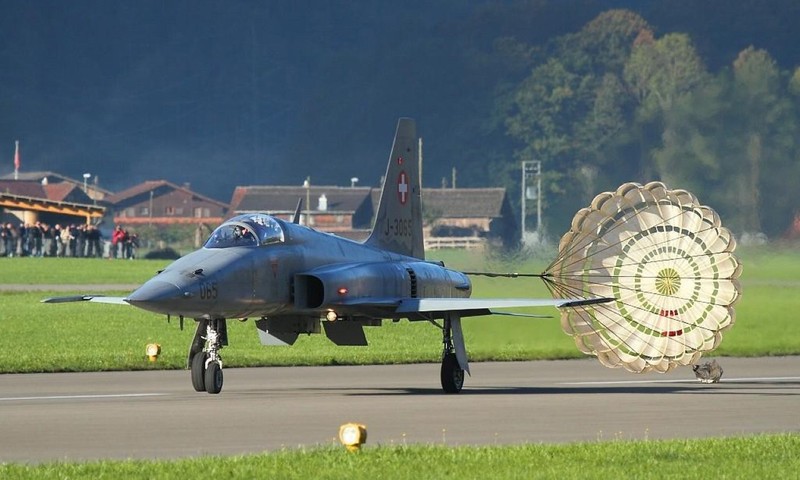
[684, 380]
[83, 397]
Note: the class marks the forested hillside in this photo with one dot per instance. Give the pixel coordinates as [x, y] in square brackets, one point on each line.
[703, 95]
[624, 98]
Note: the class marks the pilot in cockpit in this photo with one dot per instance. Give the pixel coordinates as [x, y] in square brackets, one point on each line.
[243, 235]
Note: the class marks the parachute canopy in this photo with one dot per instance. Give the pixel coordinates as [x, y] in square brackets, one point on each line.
[669, 265]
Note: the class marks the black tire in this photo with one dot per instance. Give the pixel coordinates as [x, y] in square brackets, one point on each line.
[199, 371]
[213, 378]
[452, 374]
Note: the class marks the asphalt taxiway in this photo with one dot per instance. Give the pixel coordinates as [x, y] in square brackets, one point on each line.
[157, 414]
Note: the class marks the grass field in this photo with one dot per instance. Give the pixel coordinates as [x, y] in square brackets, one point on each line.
[72, 337]
[80, 337]
[767, 456]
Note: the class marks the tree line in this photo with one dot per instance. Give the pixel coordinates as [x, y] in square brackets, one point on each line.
[615, 102]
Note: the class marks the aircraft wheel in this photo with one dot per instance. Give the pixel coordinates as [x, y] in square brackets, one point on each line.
[452, 374]
[199, 371]
[213, 378]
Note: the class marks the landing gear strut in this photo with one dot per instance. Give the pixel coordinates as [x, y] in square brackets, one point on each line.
[452, 374]
[204, 359]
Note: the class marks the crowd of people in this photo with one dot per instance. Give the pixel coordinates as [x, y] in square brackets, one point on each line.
[76, 240]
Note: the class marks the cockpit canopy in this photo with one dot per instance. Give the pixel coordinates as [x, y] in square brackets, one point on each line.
[248, 230]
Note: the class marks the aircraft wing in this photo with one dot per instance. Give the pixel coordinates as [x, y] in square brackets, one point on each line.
[467, 306]
[88, 298]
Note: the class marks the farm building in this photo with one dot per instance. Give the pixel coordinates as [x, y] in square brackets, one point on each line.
[159, 202]
[465, 217]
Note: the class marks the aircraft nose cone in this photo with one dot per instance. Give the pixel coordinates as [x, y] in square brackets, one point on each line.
[157, 296]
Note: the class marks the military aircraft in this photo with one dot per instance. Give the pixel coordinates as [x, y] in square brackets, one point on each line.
[294, 279]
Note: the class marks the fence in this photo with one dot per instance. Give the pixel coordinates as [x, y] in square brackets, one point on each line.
[466, 243]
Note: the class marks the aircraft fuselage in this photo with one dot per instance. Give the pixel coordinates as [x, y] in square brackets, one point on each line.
[307, 272]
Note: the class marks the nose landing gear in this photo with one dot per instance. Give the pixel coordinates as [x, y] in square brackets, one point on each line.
[204, 359]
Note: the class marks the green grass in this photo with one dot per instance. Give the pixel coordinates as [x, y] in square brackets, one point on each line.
[85, 337]
[71, 337]
[764, 456]
[32, 271]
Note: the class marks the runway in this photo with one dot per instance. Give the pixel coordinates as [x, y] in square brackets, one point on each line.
[157, 414]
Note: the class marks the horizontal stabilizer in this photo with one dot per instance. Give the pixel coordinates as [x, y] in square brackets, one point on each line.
[584, 302]
[526, 315]
[88, 298]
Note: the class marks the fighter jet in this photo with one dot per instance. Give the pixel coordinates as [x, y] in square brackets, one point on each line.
[293, 279]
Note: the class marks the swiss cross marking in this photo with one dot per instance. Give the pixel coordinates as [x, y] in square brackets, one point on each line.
[402, 187]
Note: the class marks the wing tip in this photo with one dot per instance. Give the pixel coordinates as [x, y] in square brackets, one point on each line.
[67, 299]
[586, 302]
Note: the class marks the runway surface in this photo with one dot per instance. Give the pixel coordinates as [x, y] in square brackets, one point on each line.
[157, 414]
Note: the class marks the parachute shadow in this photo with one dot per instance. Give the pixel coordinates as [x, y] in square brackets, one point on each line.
[628, 389]
[689, 387]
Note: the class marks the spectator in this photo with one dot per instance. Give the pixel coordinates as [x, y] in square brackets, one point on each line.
[22, 240]
[37, 241]
[4, 239]
[93, 237]
[73, 240]
[9, 234]
[82, 240]
[58, 242]
[50, 234]
[117, 242]
[64, 241]
[131, 244]
[54, 240]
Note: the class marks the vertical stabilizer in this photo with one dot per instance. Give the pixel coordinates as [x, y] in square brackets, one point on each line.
[398, 223]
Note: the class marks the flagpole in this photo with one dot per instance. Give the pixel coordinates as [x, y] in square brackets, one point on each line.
[16, 160]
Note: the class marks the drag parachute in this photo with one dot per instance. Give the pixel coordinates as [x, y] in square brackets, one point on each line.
[669, 266]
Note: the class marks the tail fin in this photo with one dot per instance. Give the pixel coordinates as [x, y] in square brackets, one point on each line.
[398, 223]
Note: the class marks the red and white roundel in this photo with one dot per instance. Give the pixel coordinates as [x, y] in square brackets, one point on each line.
[402, 187]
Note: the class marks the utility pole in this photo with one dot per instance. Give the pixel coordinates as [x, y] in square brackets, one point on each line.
[419, 155]
[307, 185]
[531, 168]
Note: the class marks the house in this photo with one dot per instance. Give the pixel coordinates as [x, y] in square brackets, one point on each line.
[346, 211]
[476, 213]
[30, 201]
[90, 188]
[159, 202]
[465, 216]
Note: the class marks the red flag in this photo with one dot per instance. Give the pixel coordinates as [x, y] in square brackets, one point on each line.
[16, 157]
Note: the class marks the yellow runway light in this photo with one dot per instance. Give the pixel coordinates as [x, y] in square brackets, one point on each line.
[153, 350]
[352, 436]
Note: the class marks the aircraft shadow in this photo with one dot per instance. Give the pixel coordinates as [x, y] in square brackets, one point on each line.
[751, 388]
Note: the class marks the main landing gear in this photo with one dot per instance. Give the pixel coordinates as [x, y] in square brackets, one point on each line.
[453, 367]
[204, 359]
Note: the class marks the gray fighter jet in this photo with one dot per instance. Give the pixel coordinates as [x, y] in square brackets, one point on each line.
[294, 279]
